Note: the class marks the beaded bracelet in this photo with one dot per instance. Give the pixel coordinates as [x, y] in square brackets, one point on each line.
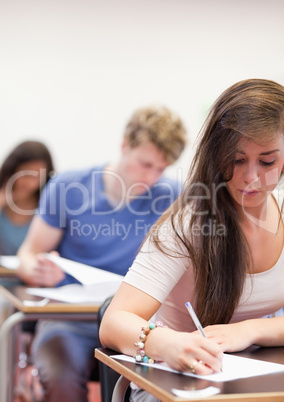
[141, 356]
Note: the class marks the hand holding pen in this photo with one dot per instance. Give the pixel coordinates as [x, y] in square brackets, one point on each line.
[198, 326]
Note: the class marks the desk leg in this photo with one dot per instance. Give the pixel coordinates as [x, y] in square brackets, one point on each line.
[6, 355]
[120, 389]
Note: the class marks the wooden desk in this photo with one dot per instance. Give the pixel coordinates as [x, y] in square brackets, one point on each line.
[159, 383]
[4, 272]
[53, 310]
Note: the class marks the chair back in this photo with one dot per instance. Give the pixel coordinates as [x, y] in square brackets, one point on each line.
[108, 377]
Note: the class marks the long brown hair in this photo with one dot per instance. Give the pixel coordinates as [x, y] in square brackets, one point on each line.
[251, 109]
[24, 152]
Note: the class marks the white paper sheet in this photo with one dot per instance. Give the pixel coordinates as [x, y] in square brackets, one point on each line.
[86, 274]
[75, 293]
[233, 367]
[9, 261]
[196, 393]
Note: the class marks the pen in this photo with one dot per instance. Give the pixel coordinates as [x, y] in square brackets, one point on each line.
[196, 320]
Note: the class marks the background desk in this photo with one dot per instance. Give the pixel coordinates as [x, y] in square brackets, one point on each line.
[159, 383]
[5, 272]
[53, 310]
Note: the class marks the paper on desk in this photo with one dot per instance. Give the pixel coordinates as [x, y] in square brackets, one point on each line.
[75, 293]
[196, 393]
[233, 367]
[85, 274]
[9, 261]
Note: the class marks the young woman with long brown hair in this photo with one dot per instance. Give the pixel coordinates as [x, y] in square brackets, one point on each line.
[220, 245]
[23, 174]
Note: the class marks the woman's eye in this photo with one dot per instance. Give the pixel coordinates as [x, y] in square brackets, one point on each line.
[264, 163]
[239, 161]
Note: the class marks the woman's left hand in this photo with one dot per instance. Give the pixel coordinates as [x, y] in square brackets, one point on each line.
[232, 337]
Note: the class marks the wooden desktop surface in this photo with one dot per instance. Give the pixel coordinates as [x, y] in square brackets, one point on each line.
[7, 272]
[159, 382]
[17, 294]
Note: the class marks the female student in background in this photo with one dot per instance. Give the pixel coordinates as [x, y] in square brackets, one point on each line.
[220, 245]
[22, 175]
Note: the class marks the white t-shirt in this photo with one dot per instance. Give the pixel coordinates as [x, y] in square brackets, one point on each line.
[170, 280]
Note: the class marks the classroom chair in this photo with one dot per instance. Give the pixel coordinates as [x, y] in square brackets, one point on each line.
[108, 377]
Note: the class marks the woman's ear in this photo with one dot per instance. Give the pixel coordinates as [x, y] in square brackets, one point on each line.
[125, 147]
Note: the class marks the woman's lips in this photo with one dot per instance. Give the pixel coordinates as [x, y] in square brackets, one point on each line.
[249, 193]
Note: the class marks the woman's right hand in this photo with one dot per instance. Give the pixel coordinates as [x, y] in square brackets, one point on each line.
[42, 272]
[190, 352]
[46, 272]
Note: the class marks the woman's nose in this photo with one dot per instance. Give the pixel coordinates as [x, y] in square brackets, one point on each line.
[251, 173]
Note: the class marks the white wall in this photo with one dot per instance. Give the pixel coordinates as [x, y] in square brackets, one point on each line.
[72, 71]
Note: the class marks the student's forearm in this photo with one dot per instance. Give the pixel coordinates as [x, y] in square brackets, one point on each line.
[126, 336]
[123, 337]
[269, 331]
[240, 335]
[121, 329]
